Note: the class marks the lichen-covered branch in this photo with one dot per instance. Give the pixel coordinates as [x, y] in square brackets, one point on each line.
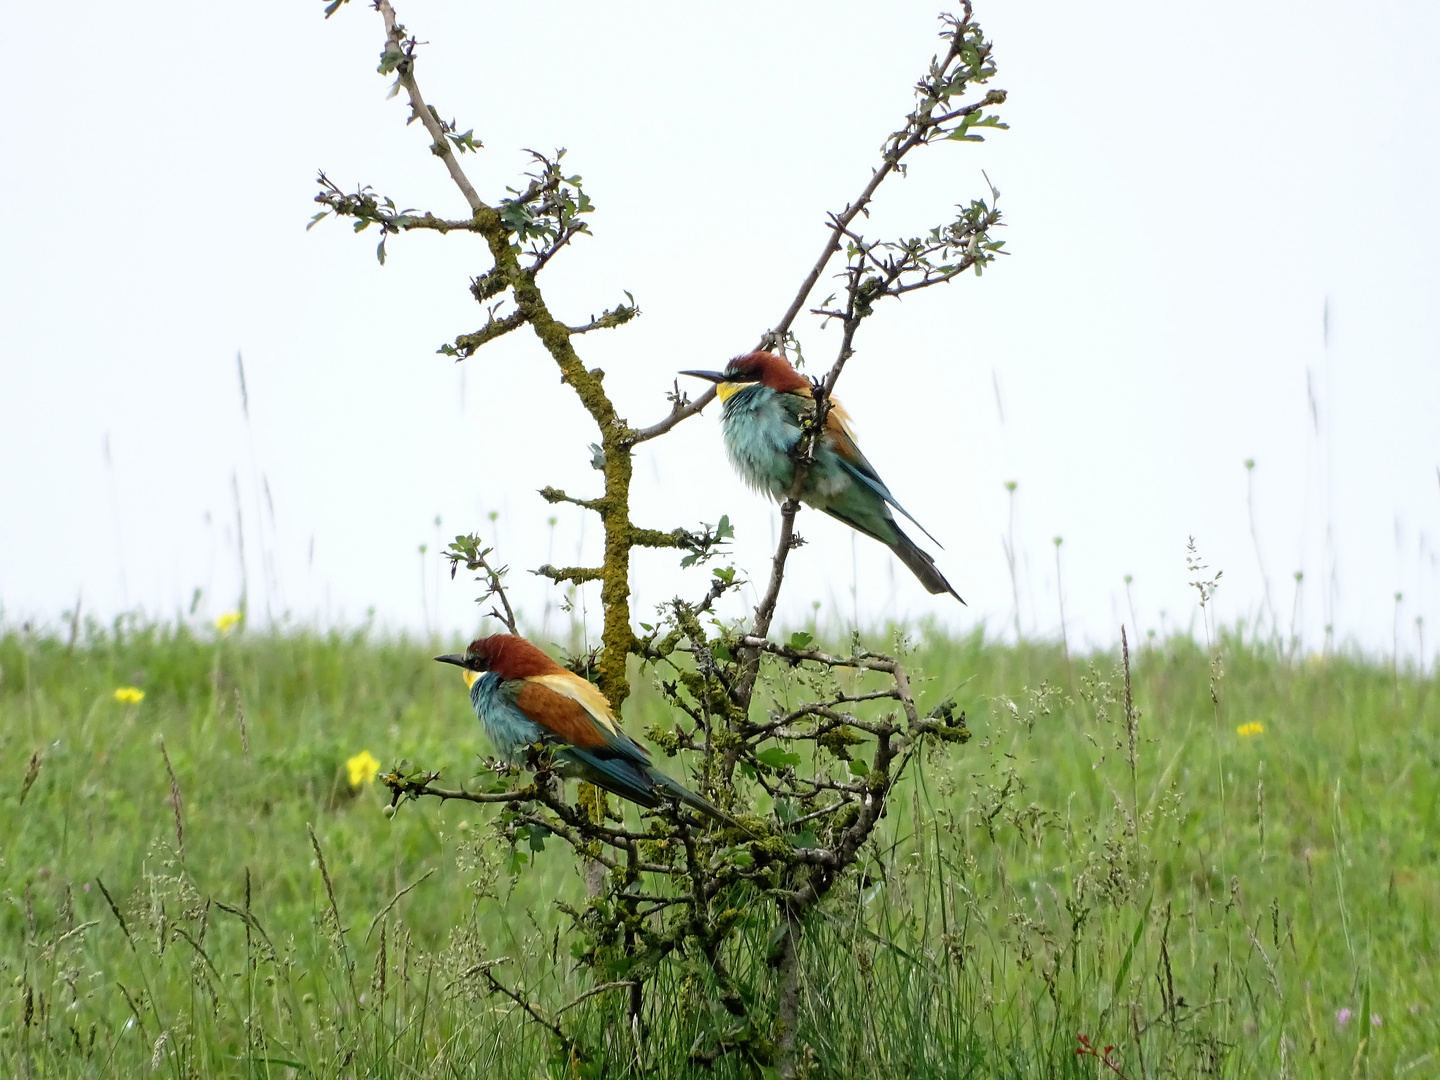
[555, 495]
[575, 575]
[654, 538]
[610, 318]
[516, 219]
[467, 344]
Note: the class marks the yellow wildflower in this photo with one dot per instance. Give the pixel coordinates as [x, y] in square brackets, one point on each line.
[129, 695]
[226, 620]
[362, 768]
[1252, 728]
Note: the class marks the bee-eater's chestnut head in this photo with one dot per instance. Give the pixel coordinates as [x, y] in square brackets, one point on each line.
[507, 655]
[762, 368]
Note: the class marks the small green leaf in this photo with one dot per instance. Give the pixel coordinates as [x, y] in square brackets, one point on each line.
[380, 251]
[1130, 950]
[390, 59]
[777, 935]
[777, 757]
[858, 768]
[1365, 1016]
[800, 640]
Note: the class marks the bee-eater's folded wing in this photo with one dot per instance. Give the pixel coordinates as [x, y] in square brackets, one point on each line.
[576, 713]
[577, 721]
[837, 426]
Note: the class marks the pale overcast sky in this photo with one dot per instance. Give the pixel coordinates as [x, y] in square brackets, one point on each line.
[1187, 190]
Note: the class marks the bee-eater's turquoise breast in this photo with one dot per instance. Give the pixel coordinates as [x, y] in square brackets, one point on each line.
[509, 730]
[761, 427]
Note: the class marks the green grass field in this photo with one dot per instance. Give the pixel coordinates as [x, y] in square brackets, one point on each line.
[1257, 904]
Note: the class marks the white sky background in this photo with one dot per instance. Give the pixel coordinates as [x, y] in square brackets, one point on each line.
[1182, 195]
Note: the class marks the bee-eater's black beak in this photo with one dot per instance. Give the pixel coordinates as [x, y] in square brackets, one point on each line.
[458, 659]
[708, 376]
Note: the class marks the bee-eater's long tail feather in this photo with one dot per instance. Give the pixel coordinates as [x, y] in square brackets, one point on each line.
[640, 783]
[617, 774]
[922, 566]
[689, 798]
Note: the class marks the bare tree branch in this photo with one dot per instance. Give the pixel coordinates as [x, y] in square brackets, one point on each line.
[496, 986]
[683, 410]
[405, 70]
[920, 126]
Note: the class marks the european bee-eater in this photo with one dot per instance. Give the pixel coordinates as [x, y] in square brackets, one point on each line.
[523, 699]
[764, 399]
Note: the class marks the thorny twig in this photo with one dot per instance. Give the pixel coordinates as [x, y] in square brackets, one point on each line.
[467, 550]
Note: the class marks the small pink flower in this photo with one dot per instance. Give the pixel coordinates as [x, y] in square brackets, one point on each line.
[1375, 1020]
[1342, 1017]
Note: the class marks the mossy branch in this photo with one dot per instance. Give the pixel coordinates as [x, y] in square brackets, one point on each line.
[576, 575]
[654, 538]
[555, 336]
[467, 344]
[549, 207]
[555, 495]
[610, 318]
